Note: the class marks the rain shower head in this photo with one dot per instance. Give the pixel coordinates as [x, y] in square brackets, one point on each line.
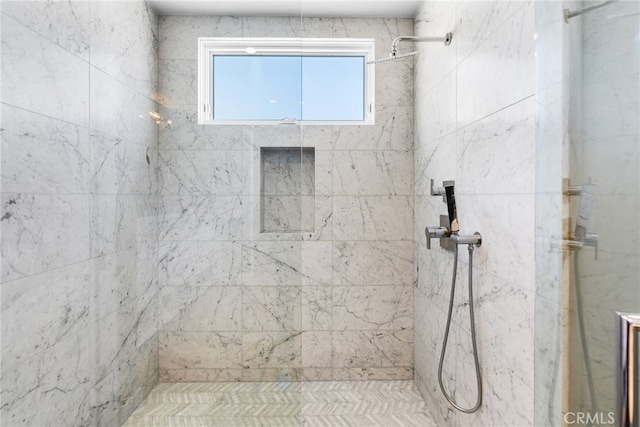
[394, 46]
[393, 58]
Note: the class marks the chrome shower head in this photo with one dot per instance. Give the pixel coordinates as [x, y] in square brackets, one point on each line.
[393, 57]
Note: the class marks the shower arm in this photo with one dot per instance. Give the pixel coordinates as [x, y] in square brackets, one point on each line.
[394, 46]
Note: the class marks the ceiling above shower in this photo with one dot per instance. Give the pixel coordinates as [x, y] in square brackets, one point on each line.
[308, 8]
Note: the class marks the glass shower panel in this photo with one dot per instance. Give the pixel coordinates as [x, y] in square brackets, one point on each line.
[605, 145]
[274, 268]
[588, 203]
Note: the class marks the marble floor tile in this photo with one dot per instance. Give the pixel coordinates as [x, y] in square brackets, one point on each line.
[319, 403]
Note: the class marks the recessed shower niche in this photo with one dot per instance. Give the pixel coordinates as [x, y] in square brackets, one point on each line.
[287, 189]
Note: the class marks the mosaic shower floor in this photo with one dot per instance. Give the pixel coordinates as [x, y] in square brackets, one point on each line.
[328, 404]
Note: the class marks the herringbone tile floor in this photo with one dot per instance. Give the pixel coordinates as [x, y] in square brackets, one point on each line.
[295, 404]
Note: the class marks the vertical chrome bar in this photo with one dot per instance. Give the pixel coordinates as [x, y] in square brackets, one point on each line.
[628, 328]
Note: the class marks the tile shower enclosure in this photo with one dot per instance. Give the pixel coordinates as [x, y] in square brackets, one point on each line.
[285, 251]
[140, 246]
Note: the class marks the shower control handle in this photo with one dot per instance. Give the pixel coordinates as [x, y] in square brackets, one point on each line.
[435, 233]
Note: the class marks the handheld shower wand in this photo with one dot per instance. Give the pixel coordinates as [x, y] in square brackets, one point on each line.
[472, 241]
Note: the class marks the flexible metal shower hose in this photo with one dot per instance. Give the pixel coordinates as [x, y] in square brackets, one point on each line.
[473, 336]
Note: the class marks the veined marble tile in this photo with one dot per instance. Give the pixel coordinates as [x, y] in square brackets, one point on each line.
[119, 111]
[201, 308]
[317, 308]
[43, 232]
[323, 173]
[316, 349]
[394, 82]
[105, 169]
[372, 173]
[286, 263]
[613, 171]
[113, 278]
[178, 35]
[72, 31]
[200, 217]
[508, 135]
[373, 263]
[272, 308]
[509, 258]
[129, 53]
[272, 375]
[508, 337]
[138, 166]
[199, 350]
[147, 277]
[616, 237]
[618, 268]
[271, 350]
[184, 132]
[319, 229]
[437, 110]
[178, 81]
[200, 263]
[259, 136]
[369, 307]
[434, 61]
[480, 20]
[372, 218]
[322, 138]
[120, 392]
[40, 76]
[61, 300]
[103, 225]
[383, 30]
[505, 60]
[317, 27]
[435, 160]
[287, 171]
[271, 26]
[393, 130]
[113, 339]
[373, 349]
[201, 172]
[288, 214]
[136, 221]
[507, 401]
[199, 375]
[43, 155]
[56, 381]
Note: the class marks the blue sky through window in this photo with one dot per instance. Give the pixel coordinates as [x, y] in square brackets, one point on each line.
[261, 87]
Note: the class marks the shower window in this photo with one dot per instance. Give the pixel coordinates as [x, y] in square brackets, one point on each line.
[263, 81]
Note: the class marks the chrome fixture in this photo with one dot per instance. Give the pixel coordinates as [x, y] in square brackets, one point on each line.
[568, 14]
[450, 234]
[437, 191]
[436, 233]
[628, 405]
[394, 46]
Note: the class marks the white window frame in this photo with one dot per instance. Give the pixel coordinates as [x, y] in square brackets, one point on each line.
[209, 46]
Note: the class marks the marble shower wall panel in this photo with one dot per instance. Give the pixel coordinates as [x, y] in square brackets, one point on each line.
[80, 297]
[332, 303]
[475, 124]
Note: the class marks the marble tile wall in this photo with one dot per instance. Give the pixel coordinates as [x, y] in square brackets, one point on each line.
[332, 303]
[475, 123]
[80, 295]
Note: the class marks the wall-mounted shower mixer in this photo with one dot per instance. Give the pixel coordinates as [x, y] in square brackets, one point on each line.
[449, 237]
[451, 230]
